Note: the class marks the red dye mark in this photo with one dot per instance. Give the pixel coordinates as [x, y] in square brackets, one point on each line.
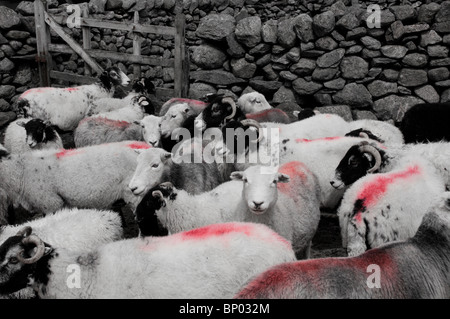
[265, 114]
[216, 230]
[304, 140]
[69, 152]
[297, 174]
[375, 188]
[138, 145]
[108, 122]
[46, 89]
[188, 101]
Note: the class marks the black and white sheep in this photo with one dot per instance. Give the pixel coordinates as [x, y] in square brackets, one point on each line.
[24, 135]
[287, 200]
[65, 107]
[411, 269]
[210, 262]
[138, 107]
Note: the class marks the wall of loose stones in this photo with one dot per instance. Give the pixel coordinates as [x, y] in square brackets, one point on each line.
[306, 53]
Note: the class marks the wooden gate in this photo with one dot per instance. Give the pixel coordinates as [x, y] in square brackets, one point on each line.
[45, 21]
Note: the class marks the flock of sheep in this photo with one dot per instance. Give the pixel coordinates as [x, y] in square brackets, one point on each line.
[213, 221]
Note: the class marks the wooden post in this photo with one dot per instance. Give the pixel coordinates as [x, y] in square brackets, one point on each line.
[181, 61]
[86, 31]
[43, 57]
[137, 40]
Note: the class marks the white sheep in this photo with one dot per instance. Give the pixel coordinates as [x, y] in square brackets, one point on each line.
[65, 107]
[195, 105]
[24, 135]
[386, 132]
[89, 177]
[135, 110]
[151, 132]
[252, 102]
[257, 195]
[209, 262]
[380, 208]
[413, 269]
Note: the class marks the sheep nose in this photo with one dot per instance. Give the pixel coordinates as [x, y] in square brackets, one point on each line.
[152, 143]
[257, 204]
[132, 188]
[332, 183]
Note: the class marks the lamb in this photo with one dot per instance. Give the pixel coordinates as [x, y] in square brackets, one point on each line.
[253, 102]
[410, 269]
[89, 177]
[210, 262]
[65, 107]
[24, 135]
[385, 207]
[256, 195]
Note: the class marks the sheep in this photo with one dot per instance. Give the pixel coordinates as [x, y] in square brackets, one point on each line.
[410, 269]
[151, 133]
[255, 195]
[173, 119]
[142, 87]
[195, 105]
[155, 165]
[386, 133]
[90, 177]
[380, 208]
[134, 111]
[252, 102]
[305, 113]
[65, 107]
[426, 122]
[208, 262]
[24, 135]
[103, 129]
[72, 229]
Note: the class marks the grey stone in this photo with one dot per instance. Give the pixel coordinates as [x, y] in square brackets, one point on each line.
[326, 74]
[427, 93]
[260, 49]
[336, 84]
[286, 36]
[326, 43]
[198, 90]
[208, 57]
[404, 91]
[3, 40]
[6, 65]
[97, 6]
[412, 77]
[263, 61]
[23, 75]
[349, 21]
[343, 111]
[7, 91]
[265, 87]
[6, 117]
[444, 12]
[339, 9]
[269, 73]
[371, 43]
[242, 69]
[445, 96]
[381, 88]
[269, 31]
[354, 68]
[443, 84]
[416, 28]
[438, 74]
[387, 18]
[215, 27]
[17, 35]
[303, 67]
[8, 18]
[288, 75]
[337, 36]
[437, 51]
[445, 39]
[331, 58]
[355, 95]
[394, 107]
[440, 62]
[4, 106]
[235, 49]
[323, 98]
[283, 95]
[303, 87]
[113, 4]
[364, 115]
[293, 55]
[374, 72]
[429, 37]
[313, 53]
[370, 54]
[356, 33]
[323, 23]
[397, 29]
[415, 59]
[217, 77]
[394, 51]
[127, 4]
[25, 8]
[303, 27]
[354, 50]
[248, 31]
[404, 12]
[427, 12]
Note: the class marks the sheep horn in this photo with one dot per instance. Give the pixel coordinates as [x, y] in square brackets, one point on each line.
[24, 231]
[160, 196]
[366, 148]
[230, 101]
[250, 122]
[363, 135]
[166, 185]
[32, 239]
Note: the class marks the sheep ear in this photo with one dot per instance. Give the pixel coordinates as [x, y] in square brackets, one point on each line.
[47, 250]
[165, 157]
[237, 176]
[20, 123]
[296, 113]
[187, 110]
[283, 178]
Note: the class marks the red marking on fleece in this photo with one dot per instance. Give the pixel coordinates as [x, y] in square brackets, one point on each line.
[138, 145]
[304, 140]
[45, 89]
[297, 174]
[374, 189]
[108, 122]
[64, 153]
[264, 114]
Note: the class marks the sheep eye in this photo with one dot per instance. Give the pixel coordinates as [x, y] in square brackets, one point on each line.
[352, 162]
[155, 165]
[274, 181]
[245, 180]
[174, 116]
[13, 260]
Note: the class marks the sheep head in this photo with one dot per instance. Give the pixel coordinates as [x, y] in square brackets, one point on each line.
[253, 102]
[219, 111]
[151, 126]
[174, 118]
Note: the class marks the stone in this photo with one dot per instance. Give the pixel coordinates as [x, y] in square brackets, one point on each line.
[337, 36]
[293, 55]
[199, 90]
[323, 98]
[264, 60]
[113, 5]
[438, 74]
[445, 39]
[354, 50]
[128, 4]
[440, 62]
[288, 75]
[443, 84]
[429, 38]
[25, 8]
[330, 58]
[390, 75]
[404, 12]
[8, 18]
[394, 51]
[343, 111]
[242, 69]
[444, 12]
[427, 93]
[248, 31]
[427, 12]
[17, 35]
[283, 95]
[6, 65]
[415, 59]
[381, 88]
[265, 87]
[394, 107]
[387, 18]
[371, 43]
[404, 91]
[7, 91]
[313, 53]
[355, 95]
[303, 27]
[326, 74]
[364, 115]
[303, 87]
[6, 117]
[4, 106]
[23, 75]
[215, 27]
[339, 9]
[336, 84]
[208, 57]
[287, 36]
[356, 33]
[269, 73]
[397, 29]
[326, 43]
[216, 77]
[349, 21]
[303, 67]
[323, 23]
[412, 77]
[235, 49]
[97, 6]
[437, 51]
[269, 31]
[260, 49]
[354, 68]
[416, 28]
[445, 96]
[370, 54]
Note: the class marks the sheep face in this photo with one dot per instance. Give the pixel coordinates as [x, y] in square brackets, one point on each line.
[151, 126]
[174, 118]
[217, 113]
[252, 102]
[117, 77]
[36, 131]
[151, 165]
[260, 187]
